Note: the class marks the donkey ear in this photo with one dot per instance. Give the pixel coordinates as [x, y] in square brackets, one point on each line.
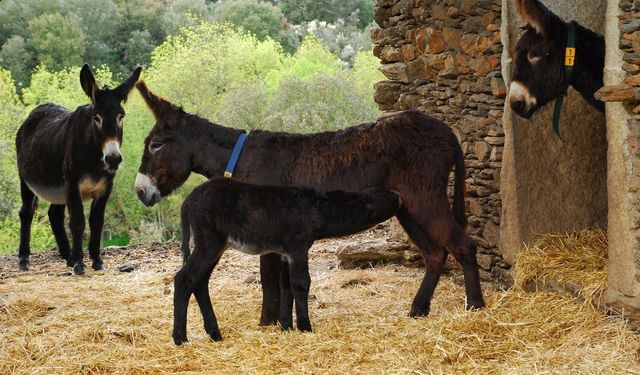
[88, 83]
[160, 108]
[125, 87]
[534, 14]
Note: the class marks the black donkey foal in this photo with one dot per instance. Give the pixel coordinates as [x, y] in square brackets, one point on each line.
[67, 157]
[261, 219]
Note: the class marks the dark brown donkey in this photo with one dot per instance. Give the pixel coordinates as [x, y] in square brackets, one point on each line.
[539, 74]
[66, 157]
[410, 153]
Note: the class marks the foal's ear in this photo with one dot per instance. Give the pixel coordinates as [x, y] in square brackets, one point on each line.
[534, 14]
[88, 83]
[160, 108]
[125, 87]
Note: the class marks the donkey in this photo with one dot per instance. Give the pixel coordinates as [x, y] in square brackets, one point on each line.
[538, 75]
[67, 157]
[409, 152]
[263, 219]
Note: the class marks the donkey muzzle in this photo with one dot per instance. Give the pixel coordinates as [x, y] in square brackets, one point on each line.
[146, 190]
[111, 155]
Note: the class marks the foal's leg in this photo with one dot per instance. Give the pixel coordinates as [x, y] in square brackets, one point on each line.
[56, 219]
[300, 283]
[193, 277]
[464, 250]
[29, 202]
[270, 268]
[434, 258]
[201, 293]
[76, 225]
[96, 222]
[286, 296]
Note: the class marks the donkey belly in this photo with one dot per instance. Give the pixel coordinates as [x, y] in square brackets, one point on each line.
[252, 249]
[89, 188]
[52, 194]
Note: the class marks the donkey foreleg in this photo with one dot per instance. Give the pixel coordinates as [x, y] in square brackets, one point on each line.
[29, 202]
[270, 268]
[56, 219]
[76, 225]
[96, 222]
[286, 297]
[300, 284]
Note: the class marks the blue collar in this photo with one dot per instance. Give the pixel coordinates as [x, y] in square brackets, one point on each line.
[235, 154]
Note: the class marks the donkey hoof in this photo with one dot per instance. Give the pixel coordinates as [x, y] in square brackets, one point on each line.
[24, 264]
[97, 265]
[416, 313]
[79, 269]
[215, 336]
[64, 255]
[69, 262]
[305, 327]
[179, 339]
[476, 305]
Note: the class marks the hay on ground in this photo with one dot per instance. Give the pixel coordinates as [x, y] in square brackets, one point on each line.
[575, 262]
[111, 322]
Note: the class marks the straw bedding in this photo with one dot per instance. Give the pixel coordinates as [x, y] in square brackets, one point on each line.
[112, 322]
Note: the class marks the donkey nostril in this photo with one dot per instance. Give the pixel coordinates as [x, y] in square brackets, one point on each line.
[113, 161]
[141, 192]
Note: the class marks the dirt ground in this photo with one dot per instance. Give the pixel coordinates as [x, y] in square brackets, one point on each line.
[120, 322]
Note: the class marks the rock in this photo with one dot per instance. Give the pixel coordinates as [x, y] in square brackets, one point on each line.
[395, 71]
[498, 88]
[390, 54]
[356, 253]
[251, 279]
[618, 93]
[127, 268]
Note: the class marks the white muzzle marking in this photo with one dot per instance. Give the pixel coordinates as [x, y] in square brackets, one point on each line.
[519, 92]
[110, 148]
[146, 186]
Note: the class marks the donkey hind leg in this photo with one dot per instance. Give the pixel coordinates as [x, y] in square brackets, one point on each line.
[463, 249]
[193, 278]
[96, 222]
[270, 269]
[286, 297]
[434, 258]
[300, 283]
[56, 219]
[28, 209]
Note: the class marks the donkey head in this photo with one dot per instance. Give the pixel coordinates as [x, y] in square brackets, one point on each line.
[165, 165]
[107, 114]
[538, 75]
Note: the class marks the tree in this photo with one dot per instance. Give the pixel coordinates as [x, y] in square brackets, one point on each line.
[16, 56]
[59, 40]
[300, 11]
[137, 50]
[262, 19]
[183, 13]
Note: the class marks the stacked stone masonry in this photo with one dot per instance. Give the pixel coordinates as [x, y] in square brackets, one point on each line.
[442, 57]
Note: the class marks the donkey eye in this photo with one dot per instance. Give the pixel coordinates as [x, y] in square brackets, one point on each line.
[97, 119]
[155, 146]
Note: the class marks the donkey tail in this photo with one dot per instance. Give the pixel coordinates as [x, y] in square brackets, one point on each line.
[186, 233]
[459, 188]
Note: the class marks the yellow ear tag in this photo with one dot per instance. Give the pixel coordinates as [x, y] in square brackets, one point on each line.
[570, 56]
[227, 174]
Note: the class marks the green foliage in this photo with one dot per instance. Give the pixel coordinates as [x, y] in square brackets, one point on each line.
[17, 57]
[58, 39]
[360, 12]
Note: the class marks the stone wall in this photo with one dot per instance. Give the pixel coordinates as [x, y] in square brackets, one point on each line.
[622, 94]
[442, 57]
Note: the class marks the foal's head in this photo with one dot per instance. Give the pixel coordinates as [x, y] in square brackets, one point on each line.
[107, 113]
[538, 75]
[165, 164]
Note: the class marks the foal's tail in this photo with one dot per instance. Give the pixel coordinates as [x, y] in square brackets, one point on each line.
[459, 188]
[186, 234]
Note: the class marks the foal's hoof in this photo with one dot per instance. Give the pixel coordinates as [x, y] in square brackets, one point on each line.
[79, 269]
[305, 327]
[97, 265]
[215, 336]
[180, 339]
[477, 305]
[24, 264]
[417, 313]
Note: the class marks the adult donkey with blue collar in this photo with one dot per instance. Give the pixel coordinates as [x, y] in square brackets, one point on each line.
[550, 56]
[409, 152]
[67, 157]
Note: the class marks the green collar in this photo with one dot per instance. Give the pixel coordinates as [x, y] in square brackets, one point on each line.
[569, 62]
